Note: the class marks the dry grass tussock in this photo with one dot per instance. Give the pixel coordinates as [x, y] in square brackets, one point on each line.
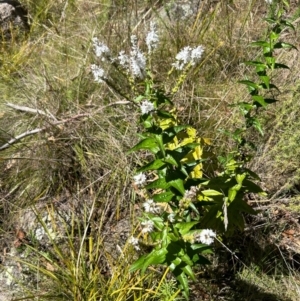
[77, 159]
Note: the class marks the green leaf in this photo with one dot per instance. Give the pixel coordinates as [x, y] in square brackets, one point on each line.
[177, 261]
[139, 98]
[260, 65]
[284, 45]
[282, 66]
[186, 258]
[287, 24]
[256, 124]
[154, 165]
[171, 160]
[155, 257]
[138, 264]
[240, 178]
[188, 271]
[202, 248]
[232, 193]
[164, 197]
[210, 192]
[178, 184]
[165, 114]
[180, 128]
[159, 183]
[251, 85]
[266, 80]
[185, 227]
[260, 44]
[252, 187]
[184, 285]
[148, 144]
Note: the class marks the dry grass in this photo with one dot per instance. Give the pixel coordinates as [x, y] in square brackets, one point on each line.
[80, 153]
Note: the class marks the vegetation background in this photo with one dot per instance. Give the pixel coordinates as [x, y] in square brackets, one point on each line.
[67, 201]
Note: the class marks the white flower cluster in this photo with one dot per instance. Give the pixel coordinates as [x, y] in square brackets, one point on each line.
[98, 73]
[134, 242]
[190, 194]
[139, 179]
[123, 59]
[206, 236]
[101, 49]
[146, 107]
[152, 38]
[151, 207]
[137, 59]
[148, 226]
[188, 55]
[171, 217]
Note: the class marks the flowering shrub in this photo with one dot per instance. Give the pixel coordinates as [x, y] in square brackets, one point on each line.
[183, 209]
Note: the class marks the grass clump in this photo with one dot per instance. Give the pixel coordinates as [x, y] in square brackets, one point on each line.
[76, 160]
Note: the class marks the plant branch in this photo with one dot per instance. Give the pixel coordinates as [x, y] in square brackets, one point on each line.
[53, 123]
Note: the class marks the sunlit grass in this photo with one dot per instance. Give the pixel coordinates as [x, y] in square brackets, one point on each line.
[80, 152]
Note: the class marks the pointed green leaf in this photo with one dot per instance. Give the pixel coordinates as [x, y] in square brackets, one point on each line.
[178, 184]
[210, 192]
[282, 66]
[185, 227]
[251, 85]
[138, 264]
[188, 271]
[284, 45]
[169, 159]
[148, 144]
[164, 197]
[260, 44]
[159, 183]
[184, 285]
[154, 165]
[155, 257]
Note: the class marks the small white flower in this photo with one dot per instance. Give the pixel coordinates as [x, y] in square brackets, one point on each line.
[196, 54]
[188, 55]
[98, 73]
[123, 59]
[139, 179]
[183, 58]
[190, 194]
[151, 206]
[134, 242]
[206, 236]
[137, 59]
[171, 217]
[152, 38]
[269, 1]
[148, 226]
[101, 49]
[146, 107]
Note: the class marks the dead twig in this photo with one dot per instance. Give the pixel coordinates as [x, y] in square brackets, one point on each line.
[52, 123]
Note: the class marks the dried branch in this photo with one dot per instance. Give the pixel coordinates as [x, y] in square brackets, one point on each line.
[30, 110]
[53, 123]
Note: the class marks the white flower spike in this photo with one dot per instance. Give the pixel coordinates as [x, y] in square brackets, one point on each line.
[139, 179]
[152, 38]
[134, 242]
[151, 207]
[98, 73]
[123, 59]
[188, 55]
[101, 49]
[147, 107]
[206, 236]
[148, 227]
[137, 60]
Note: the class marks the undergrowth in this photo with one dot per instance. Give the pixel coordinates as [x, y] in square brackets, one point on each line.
[76, 160]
